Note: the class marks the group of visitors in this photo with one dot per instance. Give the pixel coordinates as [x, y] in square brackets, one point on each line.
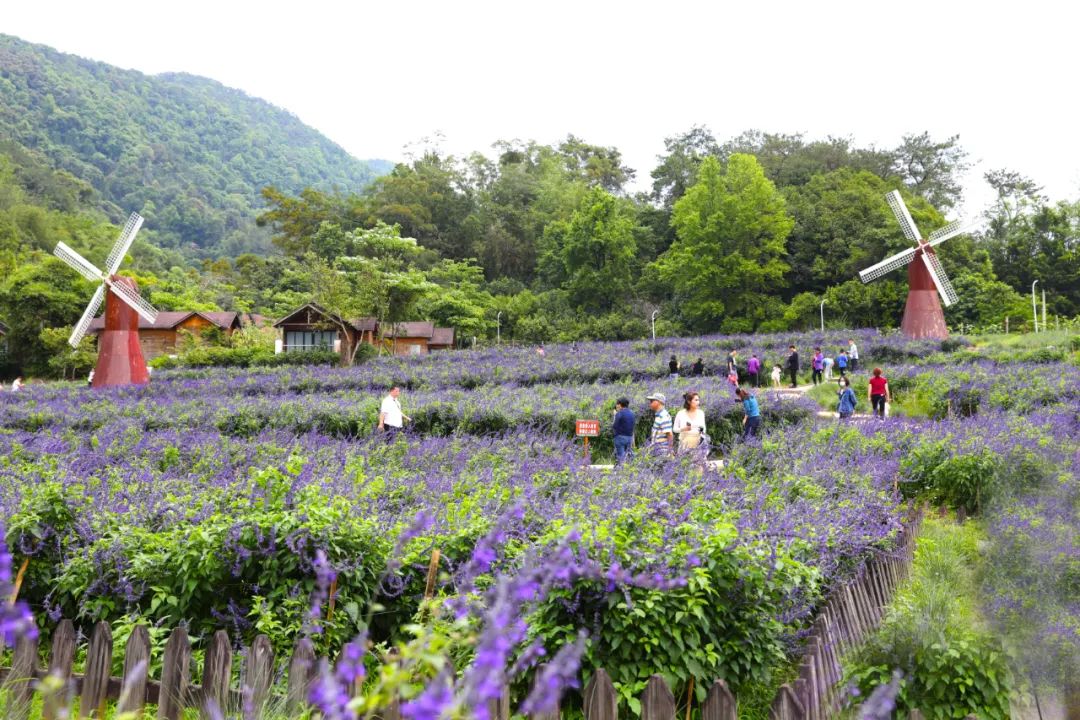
[688, 431]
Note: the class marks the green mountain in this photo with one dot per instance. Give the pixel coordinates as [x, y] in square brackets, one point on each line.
[187, 152]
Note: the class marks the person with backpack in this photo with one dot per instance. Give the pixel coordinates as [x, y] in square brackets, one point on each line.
[847, 400]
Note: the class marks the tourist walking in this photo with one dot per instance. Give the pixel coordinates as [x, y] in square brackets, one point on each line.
[623, 429]
[661, 437]
[673, 368]
[733, 366]
[751, 422]
[391, 419]
[879, 393]
[842, 363]
[690, 422]
[853, 355]
[777, 374]
[753, 369]
[846, 404]
[698, 368]
[818, 364]
[793, 365]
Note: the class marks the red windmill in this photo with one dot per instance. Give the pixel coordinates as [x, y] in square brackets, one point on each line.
[120, 359]
[923, 316]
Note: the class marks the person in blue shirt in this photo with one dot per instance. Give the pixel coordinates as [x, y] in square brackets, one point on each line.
[751, 414]
[842, 363]
[623, 429]
[846, 407]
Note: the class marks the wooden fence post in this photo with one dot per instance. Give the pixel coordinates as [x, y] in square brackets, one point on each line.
[95, 687]
[259, 673]
[786, 706]
[61, 658]
[133, 687]
[217, 674]
[657, 702]
[719, 703]
[601, 703]
[174, 676]
[301, 673]
[20, 680]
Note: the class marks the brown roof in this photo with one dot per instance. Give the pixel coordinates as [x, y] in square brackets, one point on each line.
[421, 329]
[171, 318]
[365, 324]
[442, 336]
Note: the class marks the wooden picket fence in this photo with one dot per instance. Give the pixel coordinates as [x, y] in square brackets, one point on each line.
[851, 612]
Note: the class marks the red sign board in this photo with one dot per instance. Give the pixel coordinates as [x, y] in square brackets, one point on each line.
[587, 428]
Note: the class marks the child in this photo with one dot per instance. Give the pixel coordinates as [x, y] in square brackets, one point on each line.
[841, 363]
[777, 373]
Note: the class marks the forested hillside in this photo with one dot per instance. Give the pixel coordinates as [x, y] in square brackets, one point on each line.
[189, 153]
[529, 242]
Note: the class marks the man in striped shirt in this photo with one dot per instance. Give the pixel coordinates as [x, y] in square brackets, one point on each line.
[662, 438]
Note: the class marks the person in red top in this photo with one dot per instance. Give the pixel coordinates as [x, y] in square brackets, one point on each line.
[879, 393]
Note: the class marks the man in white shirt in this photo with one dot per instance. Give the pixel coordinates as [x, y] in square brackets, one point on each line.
[853, 355]
[391, 418]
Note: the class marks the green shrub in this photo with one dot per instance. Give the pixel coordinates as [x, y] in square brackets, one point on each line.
[952, 664]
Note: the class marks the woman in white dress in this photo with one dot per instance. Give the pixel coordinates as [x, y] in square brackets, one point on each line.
[690, 422]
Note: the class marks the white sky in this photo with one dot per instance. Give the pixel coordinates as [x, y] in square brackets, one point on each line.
[376, 76]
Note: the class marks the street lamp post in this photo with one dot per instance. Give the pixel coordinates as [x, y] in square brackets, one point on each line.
[1044, 309]
[653, 321]
[1034, 307]
[822, 309]
[498, 328]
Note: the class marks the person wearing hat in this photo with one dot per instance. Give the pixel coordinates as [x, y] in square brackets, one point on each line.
[662, 436]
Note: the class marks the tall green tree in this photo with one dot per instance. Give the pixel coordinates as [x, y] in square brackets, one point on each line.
[595, 250]
[727, 262]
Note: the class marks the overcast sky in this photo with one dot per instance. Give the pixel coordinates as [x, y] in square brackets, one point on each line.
[375, 77]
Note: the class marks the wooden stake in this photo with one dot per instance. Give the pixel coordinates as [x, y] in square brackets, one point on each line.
[18, 580]
[432, 574]
[689, 697]
[333, 598]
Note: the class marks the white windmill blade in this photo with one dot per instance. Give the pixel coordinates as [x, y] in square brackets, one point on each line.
[941, 280]
[956, 227]
[903, 216]
[123, 243]
[87, 317]
[80, 264]
[898, 260]
[133, 299]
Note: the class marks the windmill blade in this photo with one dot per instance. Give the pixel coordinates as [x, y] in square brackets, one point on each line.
[133, 299]
[77, 262]
[941, 280]
[123, 243]
[956, 227]
[903, 216]
[898, 260]
[87, 317]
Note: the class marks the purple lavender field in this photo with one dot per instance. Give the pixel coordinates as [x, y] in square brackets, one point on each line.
[222, 499]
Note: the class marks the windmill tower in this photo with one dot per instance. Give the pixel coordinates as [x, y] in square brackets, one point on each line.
[923, 316]
[120, 359]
